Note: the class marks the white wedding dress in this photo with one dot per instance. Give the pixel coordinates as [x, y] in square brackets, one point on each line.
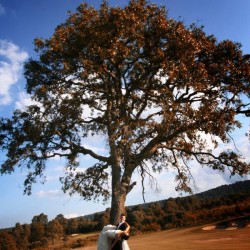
[106, 237]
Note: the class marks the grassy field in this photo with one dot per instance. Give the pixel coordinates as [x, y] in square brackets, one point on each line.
[195, 238]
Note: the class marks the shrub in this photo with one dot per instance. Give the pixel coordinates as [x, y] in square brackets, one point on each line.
[151, 227]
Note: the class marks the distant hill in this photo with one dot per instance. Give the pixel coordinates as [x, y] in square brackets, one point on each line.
[241, 187]
[237, 188]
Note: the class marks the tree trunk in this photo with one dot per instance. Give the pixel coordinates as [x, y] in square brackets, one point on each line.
[120, 185]
[120, 189]
[117, 205]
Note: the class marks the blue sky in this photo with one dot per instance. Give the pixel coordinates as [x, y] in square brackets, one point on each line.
[20, 23]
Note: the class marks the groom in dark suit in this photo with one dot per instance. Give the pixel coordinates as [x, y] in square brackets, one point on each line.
[122, 225]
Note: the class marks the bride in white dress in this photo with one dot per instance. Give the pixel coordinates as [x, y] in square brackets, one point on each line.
[107, 235]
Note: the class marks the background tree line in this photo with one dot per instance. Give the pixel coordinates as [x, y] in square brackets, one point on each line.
[221, 203]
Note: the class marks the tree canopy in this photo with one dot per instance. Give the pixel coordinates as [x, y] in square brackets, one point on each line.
[148, 84]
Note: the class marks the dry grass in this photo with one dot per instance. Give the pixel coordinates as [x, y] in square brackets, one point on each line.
[194, 238]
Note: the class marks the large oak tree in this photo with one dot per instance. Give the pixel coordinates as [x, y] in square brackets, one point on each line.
[148, 84]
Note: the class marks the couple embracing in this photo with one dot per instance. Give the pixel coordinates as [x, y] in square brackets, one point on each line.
[114, 237]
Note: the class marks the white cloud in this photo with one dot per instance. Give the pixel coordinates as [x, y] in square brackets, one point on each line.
[72, 215]
[49, 194]
[98, 148]
[2, 10]
[243, 145]
[24, 100]
[11, 63]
